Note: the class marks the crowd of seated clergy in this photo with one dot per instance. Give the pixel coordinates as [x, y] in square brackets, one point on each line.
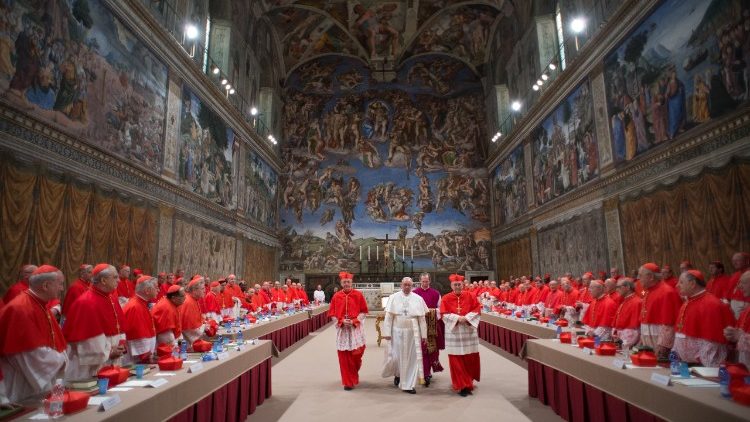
[114, 316]
[704, 319]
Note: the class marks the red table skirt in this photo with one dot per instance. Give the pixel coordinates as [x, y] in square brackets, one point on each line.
[289, 335]
[508, 340]
[235, 400]
[318, 321]
[575, 401]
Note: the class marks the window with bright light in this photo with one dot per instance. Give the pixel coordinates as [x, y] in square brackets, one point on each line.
[560, 35]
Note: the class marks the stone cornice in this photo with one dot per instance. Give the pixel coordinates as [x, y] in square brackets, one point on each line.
[34, 141]
[588, 59]
[711, 145]
[155, 36]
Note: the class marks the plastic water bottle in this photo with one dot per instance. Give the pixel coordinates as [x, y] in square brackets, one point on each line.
[176, 351]
[558, 332]
[597, 342]
[674, 363]
[724, 379]
[183, 350]
[240, 337]
[56, 400]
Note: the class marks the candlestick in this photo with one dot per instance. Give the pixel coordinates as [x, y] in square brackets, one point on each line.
[403, 252]
[368, 252]
[412, 252]
[360, 252]
[377, 252]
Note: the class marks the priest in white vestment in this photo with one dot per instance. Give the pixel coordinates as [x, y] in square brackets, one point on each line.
[405, 326]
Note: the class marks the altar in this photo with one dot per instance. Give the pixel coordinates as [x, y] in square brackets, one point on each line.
[375, 294]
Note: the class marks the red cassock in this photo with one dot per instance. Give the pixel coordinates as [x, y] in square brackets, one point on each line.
[125, 288]
[349, 305]
[139, 324]
[302, 295]
[163, 287]
[628, 313]
[704, 316]
[542, 294]
[211, 303]
[16, 289]
[671, 282]
[93, 314]
[601, 312]
[531, 295]
[465, 369]
[513, 295]
[554, 299]
[720, 286]
[584, 295]
[166, 317]
[75, 291]
[190, 314]
[258, 300]
[21, 286]
[660, 305]
[26, 324]
[616, 297]
[570, 298]
[278, 295]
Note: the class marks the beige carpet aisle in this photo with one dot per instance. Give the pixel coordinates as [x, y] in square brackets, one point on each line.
[307, 387]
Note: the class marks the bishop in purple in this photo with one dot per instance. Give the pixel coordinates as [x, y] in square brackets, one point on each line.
[435, 328]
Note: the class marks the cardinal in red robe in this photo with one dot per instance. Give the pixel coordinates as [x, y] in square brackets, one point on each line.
[600, 314]
[461, 313]
[554, 298]
[79, 287]
[667, 276]
[94, 327]
[166, 316]
[348, 310]
[627, 323]
[658, 310]
[699, 339]
[737, 299]
[32, 346]
[213, 302]
[23, 284]
[125, 287]
[740, 334]
[191, 319]
[140, 330]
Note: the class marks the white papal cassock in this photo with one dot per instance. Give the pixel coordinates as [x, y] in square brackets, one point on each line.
[405, 324]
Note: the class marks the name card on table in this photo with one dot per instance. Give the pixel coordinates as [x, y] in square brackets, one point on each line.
[618, 363]
[661, 379]
[157, 383]
[587, 351]
[110, 402]
[196, 367]
[222, 355]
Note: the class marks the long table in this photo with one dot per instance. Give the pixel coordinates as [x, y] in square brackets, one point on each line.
[509, 333]
[225, 390]
[319, 317]
[582, 387]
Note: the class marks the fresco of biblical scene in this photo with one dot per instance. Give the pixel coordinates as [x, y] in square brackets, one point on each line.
[207, 151]
[463, 31]
[378, 27]
[76, 66]
[509, 187]
[665, 79]
[305, 34]
[365, 159]
[261, 188]
[565, 147]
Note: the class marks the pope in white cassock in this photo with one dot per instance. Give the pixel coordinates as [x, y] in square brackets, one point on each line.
[406, 328]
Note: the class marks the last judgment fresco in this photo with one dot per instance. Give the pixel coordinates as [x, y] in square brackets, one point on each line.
[366, 159]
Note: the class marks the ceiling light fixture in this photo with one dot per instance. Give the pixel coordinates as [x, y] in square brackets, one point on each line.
[191, 31]
[578, 25]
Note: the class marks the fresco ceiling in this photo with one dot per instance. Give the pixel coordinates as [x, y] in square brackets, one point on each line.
[385, 34]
